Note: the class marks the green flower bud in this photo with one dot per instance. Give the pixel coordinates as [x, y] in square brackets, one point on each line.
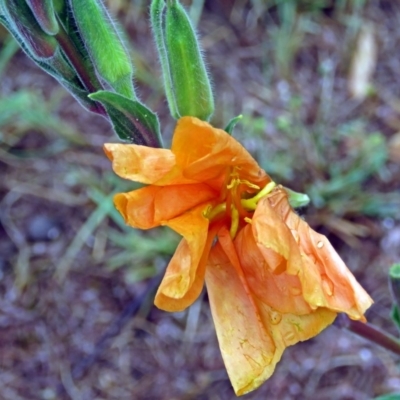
[104, 45]
[44, 13]
[296, 199]
[156, 15]
[187, 84]
[26, 30]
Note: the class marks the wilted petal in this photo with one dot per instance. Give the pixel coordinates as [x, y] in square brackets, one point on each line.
[211, 152]
[139, 163]
[246, 346]
[341, 290]
[252, 334]
[287, 329]
[271, 233]
[184, 277]
[325, 279]
[154, 205]
[283, 292]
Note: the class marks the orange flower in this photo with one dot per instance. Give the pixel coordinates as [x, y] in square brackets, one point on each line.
[271, 280]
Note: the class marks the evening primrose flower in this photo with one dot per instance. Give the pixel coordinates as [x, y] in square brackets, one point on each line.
[271, 280]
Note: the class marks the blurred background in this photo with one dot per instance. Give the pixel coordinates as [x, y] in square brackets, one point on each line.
[318, 84]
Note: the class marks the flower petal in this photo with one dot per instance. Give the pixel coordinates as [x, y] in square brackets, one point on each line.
[246, 346]
[325, 279]
[341, 290]
[252, 335]
[151, 206]
[184, 277]
[283, 292]
[287, 329]
[272, 234]
[211, 152]
[139, 163]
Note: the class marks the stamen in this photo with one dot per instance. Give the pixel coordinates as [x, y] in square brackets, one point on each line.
[249, 184]
[213, 212]
[234, 222]
[248, 220]
[251, 204]
[233, 183]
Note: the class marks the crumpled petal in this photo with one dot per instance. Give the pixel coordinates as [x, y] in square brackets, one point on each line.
[271, 233]
[246, 346]
[152, 206]
[211, 152]
[252, 335]
[325, 279]
[282, 292]
[287, 329]
[139, 163]
[184, 277]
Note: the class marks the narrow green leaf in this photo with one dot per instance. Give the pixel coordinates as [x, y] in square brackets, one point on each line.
[132, 121]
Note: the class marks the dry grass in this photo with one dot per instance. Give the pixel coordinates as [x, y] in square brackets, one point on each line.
[71, 274]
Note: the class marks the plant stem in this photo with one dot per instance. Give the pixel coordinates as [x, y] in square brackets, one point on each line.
[370, 332]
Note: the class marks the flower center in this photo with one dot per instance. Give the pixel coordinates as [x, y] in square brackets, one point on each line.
[238, 206]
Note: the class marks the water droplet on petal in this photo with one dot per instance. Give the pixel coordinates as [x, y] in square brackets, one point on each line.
[275, 317]
[327, 285]
[320, 245]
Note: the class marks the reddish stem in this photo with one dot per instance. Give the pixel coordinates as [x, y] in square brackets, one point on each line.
[370, 332]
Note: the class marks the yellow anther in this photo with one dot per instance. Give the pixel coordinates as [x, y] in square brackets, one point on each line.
[248, 220]
[234, 222]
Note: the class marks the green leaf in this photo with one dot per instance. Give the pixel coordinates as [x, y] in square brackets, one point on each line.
[132, 121]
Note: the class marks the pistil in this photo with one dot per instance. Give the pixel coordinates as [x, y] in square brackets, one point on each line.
[236, 203]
